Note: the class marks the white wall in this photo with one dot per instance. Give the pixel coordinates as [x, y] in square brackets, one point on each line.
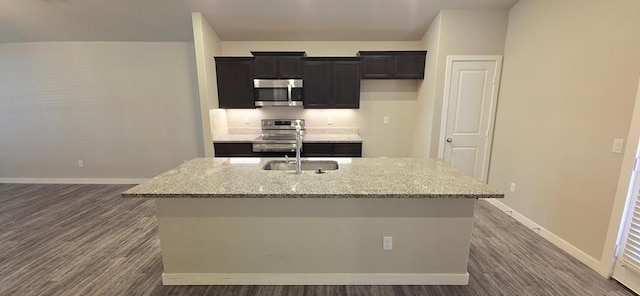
[461, 32]
[427, 92]
[569, 82]
[378, 98]
[315, 48]
[207, 44]
[129, 110]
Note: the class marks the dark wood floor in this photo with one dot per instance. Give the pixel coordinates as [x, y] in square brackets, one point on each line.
[87, 240]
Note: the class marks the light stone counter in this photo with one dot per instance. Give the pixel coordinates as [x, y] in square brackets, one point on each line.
[357, 178]
[308, 138]
[331, 138]
[223, 223]
[313, 135]
[234, 138]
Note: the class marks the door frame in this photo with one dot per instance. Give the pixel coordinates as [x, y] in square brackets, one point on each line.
[494, 103]
[622, 195]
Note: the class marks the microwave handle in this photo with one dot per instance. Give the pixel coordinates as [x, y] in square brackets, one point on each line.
[289, 92]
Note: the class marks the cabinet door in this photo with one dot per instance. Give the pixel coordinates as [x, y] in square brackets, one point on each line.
[244, 150]
[409, 66]
[265, 67]
[347, 149]
[290, 67]
[318, 84]
[235, 83]
[346, 84]
[317, 149]
[233, 149]
[377, 67]
[332, 149]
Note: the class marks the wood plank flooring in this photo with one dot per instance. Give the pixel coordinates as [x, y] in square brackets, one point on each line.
[87, 240]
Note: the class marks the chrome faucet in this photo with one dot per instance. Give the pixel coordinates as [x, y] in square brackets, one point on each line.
[298, 148]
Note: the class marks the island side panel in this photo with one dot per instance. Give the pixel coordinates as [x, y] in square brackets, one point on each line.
[233, 241]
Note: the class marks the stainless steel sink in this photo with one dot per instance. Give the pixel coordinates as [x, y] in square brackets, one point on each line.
[307, 165]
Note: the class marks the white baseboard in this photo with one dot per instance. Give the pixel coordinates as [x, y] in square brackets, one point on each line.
[71, 181]
[314, 279]
[548, 235]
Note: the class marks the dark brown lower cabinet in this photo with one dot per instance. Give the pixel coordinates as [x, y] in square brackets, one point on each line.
[233, 149]
[308, 150]
[244, 150]
[332, 149]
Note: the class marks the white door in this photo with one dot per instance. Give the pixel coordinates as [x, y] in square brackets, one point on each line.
[627, 264]
[471, 92]
[627, 267]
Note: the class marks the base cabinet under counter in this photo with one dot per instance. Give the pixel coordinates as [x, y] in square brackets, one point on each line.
[332, 149]
[308, 150]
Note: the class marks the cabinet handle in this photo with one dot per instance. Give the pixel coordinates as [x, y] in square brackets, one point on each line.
[289, 92]
[449, 140]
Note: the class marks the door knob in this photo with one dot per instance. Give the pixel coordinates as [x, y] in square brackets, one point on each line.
[449, 140]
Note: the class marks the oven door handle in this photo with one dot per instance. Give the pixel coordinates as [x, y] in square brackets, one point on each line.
[274, 147]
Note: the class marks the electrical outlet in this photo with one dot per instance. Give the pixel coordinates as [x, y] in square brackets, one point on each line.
[387, 243]
[247, 120]
[329, 120]
[512, 188]
[80, 163]
[385, 120]
[617, 145]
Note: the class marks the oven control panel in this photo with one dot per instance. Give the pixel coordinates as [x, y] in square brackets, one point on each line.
[285, 124]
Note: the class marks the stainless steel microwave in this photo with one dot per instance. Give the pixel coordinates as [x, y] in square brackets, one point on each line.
[277, 92]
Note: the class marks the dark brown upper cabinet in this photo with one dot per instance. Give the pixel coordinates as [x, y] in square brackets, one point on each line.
[392, 64]
[277, 64]
[331, 82]
[235, 82]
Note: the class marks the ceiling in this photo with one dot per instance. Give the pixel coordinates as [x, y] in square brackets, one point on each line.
[277, 20]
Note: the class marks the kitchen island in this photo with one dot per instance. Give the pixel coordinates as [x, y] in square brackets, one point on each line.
[226, 221]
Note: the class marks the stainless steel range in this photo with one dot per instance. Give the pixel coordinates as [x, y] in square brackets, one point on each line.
[278, 135]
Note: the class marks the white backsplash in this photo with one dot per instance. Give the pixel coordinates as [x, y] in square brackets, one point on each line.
[395, 100]
[312, 117]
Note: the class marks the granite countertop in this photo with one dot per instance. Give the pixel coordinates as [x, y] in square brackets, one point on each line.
[308, 138]
[355, 178]
[331, 138]
[313, 135]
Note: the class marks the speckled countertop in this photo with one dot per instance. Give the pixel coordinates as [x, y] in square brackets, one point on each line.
[308, 138]
[313, 135]
[355, 178]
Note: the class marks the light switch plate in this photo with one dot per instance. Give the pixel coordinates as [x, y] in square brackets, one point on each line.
[387, 243]
[617, 145]
[385, 120]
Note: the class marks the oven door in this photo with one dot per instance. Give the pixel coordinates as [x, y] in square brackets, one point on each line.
[269, 92]
[274, 147]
